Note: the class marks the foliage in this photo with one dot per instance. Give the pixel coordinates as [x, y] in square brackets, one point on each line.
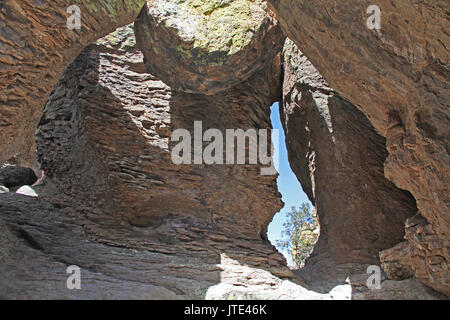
[301, 231]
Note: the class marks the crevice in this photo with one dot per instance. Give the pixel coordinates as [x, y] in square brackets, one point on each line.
[28, 238]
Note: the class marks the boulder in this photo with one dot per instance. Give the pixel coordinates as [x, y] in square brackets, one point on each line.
[13, 176]
[206, 46]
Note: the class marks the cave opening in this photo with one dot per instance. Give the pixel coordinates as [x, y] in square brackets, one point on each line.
[290, 188]
[292, 191]
[104, 141]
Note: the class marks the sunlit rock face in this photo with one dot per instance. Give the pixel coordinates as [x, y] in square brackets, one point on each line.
[338, 158]
[398, 77]
[206, 46]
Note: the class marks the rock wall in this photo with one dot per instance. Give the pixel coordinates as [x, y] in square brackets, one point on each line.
[398, 77]
[338, 158]
[113, 121]
[141, 227]
[36, 47]
[104, 148]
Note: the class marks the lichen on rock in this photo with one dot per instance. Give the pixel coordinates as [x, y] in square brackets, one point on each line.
[121, 39]
[206, 46]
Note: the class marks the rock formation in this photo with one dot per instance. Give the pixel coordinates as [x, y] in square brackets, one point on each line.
[398, 77]
[206, 46]
[104, 148]
[97, 106]
[338, 158]
[36, 48]
[12, 176]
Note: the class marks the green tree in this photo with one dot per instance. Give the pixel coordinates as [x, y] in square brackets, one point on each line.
[301, 231]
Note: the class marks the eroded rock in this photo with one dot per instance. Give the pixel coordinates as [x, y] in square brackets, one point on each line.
[36, 47]
[107, 161]
[398, 76]
[396, 262]
[206, 46]
[13, 176]
[143, 228]
[338, 158]
[411, 289]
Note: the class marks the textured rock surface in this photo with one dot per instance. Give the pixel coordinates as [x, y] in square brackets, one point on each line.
[39, 241]
[103, 144]
[140, 227]
[35, 48]
[422, 255]
[206, 46]
[399, 78]
[411, 289]
[104, 135]
[12, 176]
[396, 262]
[338, 158]
[103, 150]
[36, 228]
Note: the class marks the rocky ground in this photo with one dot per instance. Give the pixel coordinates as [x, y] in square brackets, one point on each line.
[40, 241]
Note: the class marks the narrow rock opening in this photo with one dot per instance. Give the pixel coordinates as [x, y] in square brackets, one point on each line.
[339, 158]
[291, 190]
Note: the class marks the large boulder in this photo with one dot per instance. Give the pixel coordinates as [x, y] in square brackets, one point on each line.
[13, 176]
[206, 46]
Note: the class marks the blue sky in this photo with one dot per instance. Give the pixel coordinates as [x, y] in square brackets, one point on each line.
[288, 184]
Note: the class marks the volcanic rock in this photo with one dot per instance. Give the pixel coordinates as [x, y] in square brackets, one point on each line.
[338, 158]
[398, 76]
[206, 46]
[12, 176]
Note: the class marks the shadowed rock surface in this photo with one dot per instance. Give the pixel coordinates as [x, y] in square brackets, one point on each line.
[121, 175]
[39, 241]
[399, 78]
[118, 180]
[12, 176]
[338, 158]
[36, 47]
